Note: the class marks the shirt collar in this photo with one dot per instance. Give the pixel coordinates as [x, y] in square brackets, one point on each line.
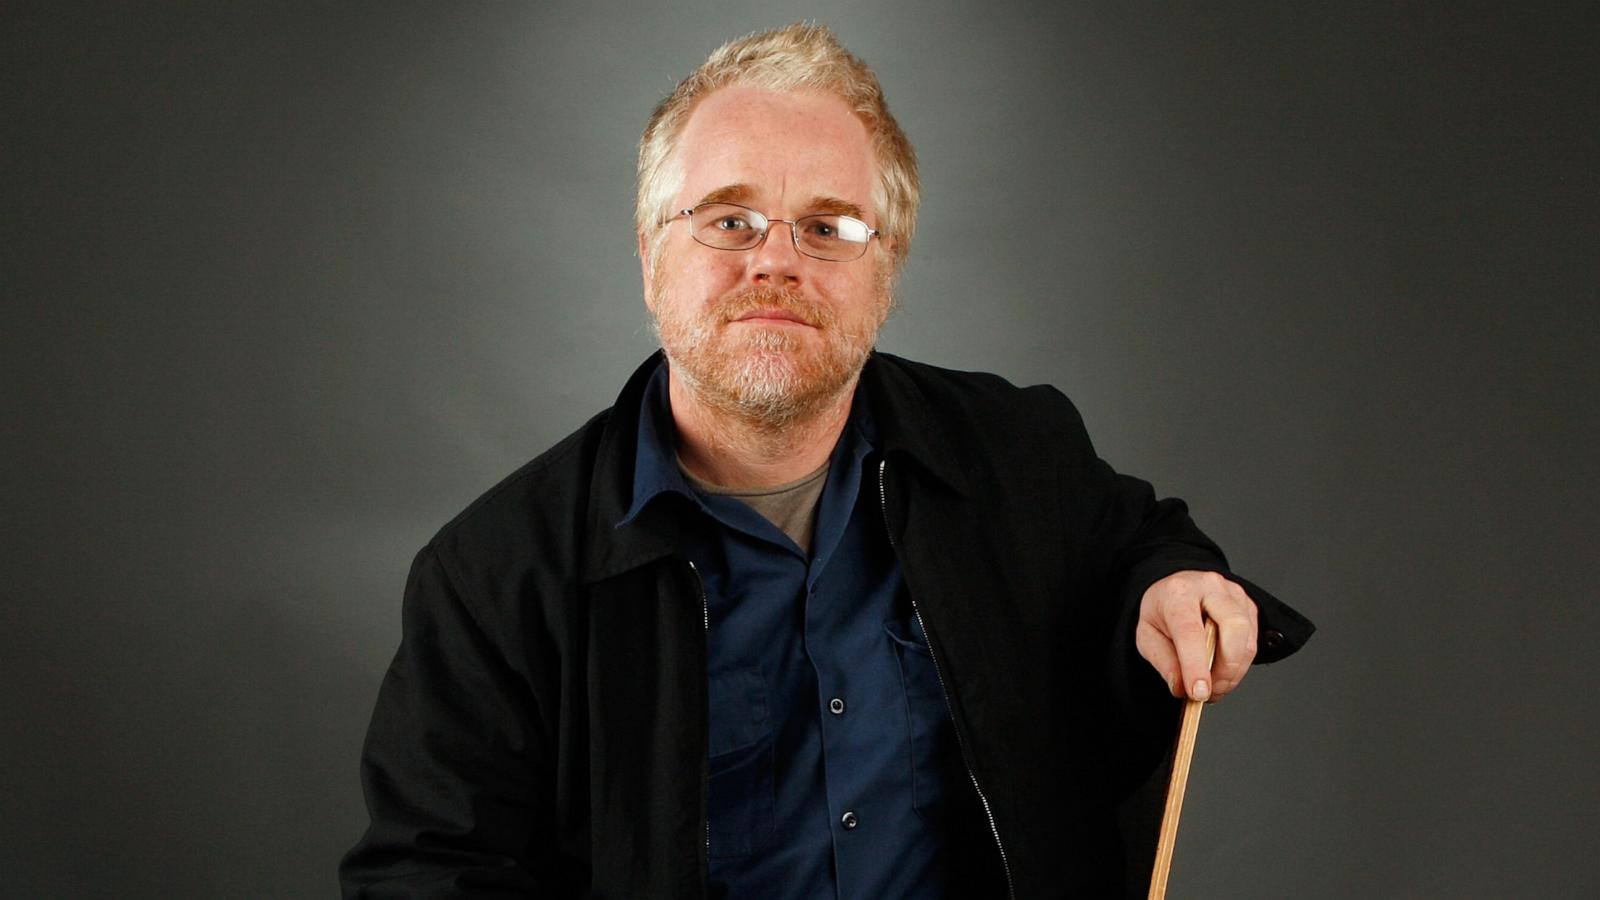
[655, 458]
[891, 389]
[655, 462]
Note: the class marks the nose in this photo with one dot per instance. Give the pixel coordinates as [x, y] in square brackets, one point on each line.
[777, 260]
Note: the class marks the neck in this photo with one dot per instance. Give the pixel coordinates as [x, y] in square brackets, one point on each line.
[728, 450]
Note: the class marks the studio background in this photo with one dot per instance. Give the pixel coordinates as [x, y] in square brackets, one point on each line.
[285, 287]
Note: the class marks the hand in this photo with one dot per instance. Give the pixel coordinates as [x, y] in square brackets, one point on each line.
[1172, 636]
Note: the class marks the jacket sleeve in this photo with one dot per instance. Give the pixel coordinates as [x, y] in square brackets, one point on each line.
[1142, 539]
[1155, 538]
[456, 777]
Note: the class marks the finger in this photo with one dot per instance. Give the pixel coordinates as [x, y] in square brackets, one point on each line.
[1188, 633]
[1235, 615]
[1157, 650]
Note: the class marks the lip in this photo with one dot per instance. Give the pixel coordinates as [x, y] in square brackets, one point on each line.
[768, 316]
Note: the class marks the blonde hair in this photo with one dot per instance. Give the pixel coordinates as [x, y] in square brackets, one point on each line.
[798, 57]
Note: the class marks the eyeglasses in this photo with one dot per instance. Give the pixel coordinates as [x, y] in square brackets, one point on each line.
[729, 226]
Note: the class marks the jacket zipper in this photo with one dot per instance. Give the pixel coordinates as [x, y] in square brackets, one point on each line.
[705, 605]
[966, 757]
[705, 773]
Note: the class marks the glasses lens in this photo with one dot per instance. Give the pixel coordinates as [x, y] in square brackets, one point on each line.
[839, 238]
[727, 227]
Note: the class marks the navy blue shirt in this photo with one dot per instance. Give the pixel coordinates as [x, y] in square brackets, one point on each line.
[831, 749]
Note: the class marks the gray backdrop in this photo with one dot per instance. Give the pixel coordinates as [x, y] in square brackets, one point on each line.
[286, 288]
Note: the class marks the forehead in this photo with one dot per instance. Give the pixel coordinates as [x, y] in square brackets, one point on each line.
[785, 148]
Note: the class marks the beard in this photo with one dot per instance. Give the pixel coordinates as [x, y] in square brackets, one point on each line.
[767, 376]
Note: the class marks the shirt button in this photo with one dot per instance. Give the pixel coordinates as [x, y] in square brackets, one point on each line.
[848, 820]
[836, 706]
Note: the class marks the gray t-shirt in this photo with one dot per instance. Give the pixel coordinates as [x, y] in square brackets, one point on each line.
[792, 507]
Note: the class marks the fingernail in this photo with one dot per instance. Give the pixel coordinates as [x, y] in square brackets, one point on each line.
[1172, 684]
[1202, 690]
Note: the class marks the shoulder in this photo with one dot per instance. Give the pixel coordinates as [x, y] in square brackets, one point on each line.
[975, 430]
[980, 399]
[533, 514]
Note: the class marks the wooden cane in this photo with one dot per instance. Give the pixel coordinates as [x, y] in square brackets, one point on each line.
[1187, 730]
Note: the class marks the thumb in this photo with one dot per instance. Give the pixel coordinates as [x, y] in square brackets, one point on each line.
[1159, 652]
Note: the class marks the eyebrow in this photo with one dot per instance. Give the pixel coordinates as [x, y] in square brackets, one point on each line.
[743, 194]
[729, 193]
[834, 206]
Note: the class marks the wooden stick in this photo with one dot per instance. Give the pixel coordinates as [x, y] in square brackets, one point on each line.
[1187, 730]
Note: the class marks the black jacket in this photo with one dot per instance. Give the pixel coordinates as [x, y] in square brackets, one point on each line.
[542, 730]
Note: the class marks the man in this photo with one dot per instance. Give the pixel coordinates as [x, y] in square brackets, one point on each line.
[793, 619]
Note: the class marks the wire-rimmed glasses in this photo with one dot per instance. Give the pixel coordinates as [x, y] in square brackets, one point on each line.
[729, 226]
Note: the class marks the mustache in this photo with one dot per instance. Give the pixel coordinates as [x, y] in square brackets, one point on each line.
[763, 297]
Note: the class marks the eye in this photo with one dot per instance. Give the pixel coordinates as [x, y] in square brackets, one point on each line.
[730, 223]
[819, 228]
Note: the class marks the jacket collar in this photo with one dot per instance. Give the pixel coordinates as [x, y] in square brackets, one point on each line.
[906, 424]
[607, 549]
[933, 438]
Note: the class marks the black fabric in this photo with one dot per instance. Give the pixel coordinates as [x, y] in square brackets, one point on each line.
[542, 730]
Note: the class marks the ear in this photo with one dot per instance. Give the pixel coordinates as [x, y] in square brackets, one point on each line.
[887, 246]
[644, 271]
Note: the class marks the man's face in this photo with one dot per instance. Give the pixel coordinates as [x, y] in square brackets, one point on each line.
[769, 334]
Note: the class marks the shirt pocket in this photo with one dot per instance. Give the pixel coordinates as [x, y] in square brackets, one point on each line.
[931, 739]
[740, 789]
